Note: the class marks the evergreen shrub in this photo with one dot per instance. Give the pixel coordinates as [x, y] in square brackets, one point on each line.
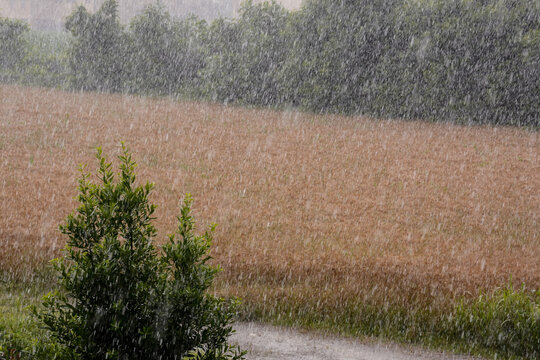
[123, 298]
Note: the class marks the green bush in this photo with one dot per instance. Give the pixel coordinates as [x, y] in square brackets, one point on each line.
[165, 54]
[244, 57]
[12, 46]
[507, 321]
[21, 334]
[46, 61]
[120, 297]
[98, 50]
[465, 61]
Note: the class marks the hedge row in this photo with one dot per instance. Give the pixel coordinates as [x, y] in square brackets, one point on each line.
[467, 61]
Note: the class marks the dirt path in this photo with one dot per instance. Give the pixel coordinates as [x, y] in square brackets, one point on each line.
[266, 342]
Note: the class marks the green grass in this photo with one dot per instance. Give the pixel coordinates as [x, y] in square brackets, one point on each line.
[503, 325]
[507, 322]
[21, 336]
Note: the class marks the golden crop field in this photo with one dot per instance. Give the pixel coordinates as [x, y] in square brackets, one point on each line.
[316, 206]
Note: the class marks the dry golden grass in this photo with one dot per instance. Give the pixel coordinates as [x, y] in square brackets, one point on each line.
[336, 206]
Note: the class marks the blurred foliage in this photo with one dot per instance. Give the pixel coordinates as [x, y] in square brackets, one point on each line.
[22, 335]
[98, 50]
[503, 324]
[166, 54]
[244, 56]
[465, 61]
[33, 58]
[46, 61]
[12, 47]
[507, 321]
[122, 298]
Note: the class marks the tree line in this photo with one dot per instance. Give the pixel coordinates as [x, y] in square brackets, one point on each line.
[465, 61]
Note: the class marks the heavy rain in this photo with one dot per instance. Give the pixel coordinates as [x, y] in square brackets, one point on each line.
[316, 179]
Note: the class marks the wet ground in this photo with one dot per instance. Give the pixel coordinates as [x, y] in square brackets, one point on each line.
[264, 342]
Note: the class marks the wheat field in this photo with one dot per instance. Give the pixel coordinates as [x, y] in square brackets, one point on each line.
[312, 205]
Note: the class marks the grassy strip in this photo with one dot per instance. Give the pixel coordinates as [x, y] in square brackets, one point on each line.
[504, 324]
[507, 322]
[21, 336]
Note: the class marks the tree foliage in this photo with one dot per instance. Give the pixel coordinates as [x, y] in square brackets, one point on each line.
[12, 45]
[466, 61]
[166, 53]
[120, 297]
[245, 56]
[97, 57]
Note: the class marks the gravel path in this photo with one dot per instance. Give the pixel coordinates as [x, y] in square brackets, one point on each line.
[265, 342]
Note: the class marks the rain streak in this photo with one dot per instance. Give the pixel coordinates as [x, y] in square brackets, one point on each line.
[302, 179]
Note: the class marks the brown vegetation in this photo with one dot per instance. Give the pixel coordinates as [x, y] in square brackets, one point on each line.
[338, 206]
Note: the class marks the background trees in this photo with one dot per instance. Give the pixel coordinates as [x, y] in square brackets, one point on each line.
[166, 54]
[459, 60]
[12, 50]
[99, 46]
[244, 56]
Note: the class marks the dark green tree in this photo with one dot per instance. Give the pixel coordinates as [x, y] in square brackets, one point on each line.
[98, 50]
[120, 297]
[12, 46]
[244, 56]
[336, 49]
[262, 52]
[166, 54]
[221, 74]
